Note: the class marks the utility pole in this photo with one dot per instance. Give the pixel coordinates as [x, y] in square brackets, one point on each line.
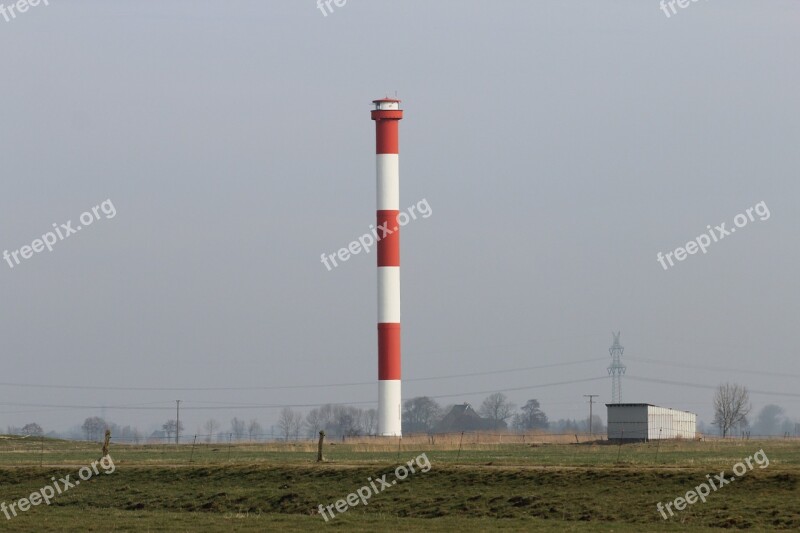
[591, 398]
[178, 422]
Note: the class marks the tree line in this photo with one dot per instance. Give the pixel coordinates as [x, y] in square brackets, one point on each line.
[423, 414]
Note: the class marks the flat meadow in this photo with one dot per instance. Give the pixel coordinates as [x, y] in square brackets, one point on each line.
[477, 483]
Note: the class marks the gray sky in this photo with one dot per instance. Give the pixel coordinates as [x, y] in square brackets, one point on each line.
[560, 145]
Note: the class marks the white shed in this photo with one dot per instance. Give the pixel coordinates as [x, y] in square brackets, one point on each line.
[643, 421]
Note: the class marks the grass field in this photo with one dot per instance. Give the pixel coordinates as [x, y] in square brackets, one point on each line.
[484, 486]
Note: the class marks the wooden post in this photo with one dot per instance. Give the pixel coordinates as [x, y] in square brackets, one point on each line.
[658, 446]
[319, 446]
[106, 442]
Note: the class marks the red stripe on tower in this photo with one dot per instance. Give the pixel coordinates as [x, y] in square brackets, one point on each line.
[387, 115]
[389, 245]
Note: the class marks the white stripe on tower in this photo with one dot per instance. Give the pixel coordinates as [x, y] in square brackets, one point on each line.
[387, 115]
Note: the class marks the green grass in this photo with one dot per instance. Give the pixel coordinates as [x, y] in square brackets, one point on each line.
[30, 451]
[511, 487]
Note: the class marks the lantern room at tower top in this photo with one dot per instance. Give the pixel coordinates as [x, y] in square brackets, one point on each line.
[387, 104]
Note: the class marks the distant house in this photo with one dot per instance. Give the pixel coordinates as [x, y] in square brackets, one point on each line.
[463, 417]
[159, 437]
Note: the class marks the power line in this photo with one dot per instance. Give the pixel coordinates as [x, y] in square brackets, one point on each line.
[371, 383]
[152, 406]
[146, 407]
[713, 387]
[715, 368]
[284, 387]
[527, 387]
[170, 408]
[538, 367]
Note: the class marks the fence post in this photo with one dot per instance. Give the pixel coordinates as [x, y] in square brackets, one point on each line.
[319, 446]
[658, 446]
[106, 441]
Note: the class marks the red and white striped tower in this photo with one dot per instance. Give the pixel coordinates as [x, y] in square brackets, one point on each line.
[387, 114]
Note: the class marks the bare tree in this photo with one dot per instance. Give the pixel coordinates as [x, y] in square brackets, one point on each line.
[420, 414]
[319, 419]
[169, 428]
[326, 415]
[92, 426]
[254, 429]
[731, 407]
[287, 422]
[497, 408]
[211, 426]
[297, 425]
[32, 429]
[770, 421]
[315, 422]
[531, 416]
[238, 428]
[370, 421]
[347, 420]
